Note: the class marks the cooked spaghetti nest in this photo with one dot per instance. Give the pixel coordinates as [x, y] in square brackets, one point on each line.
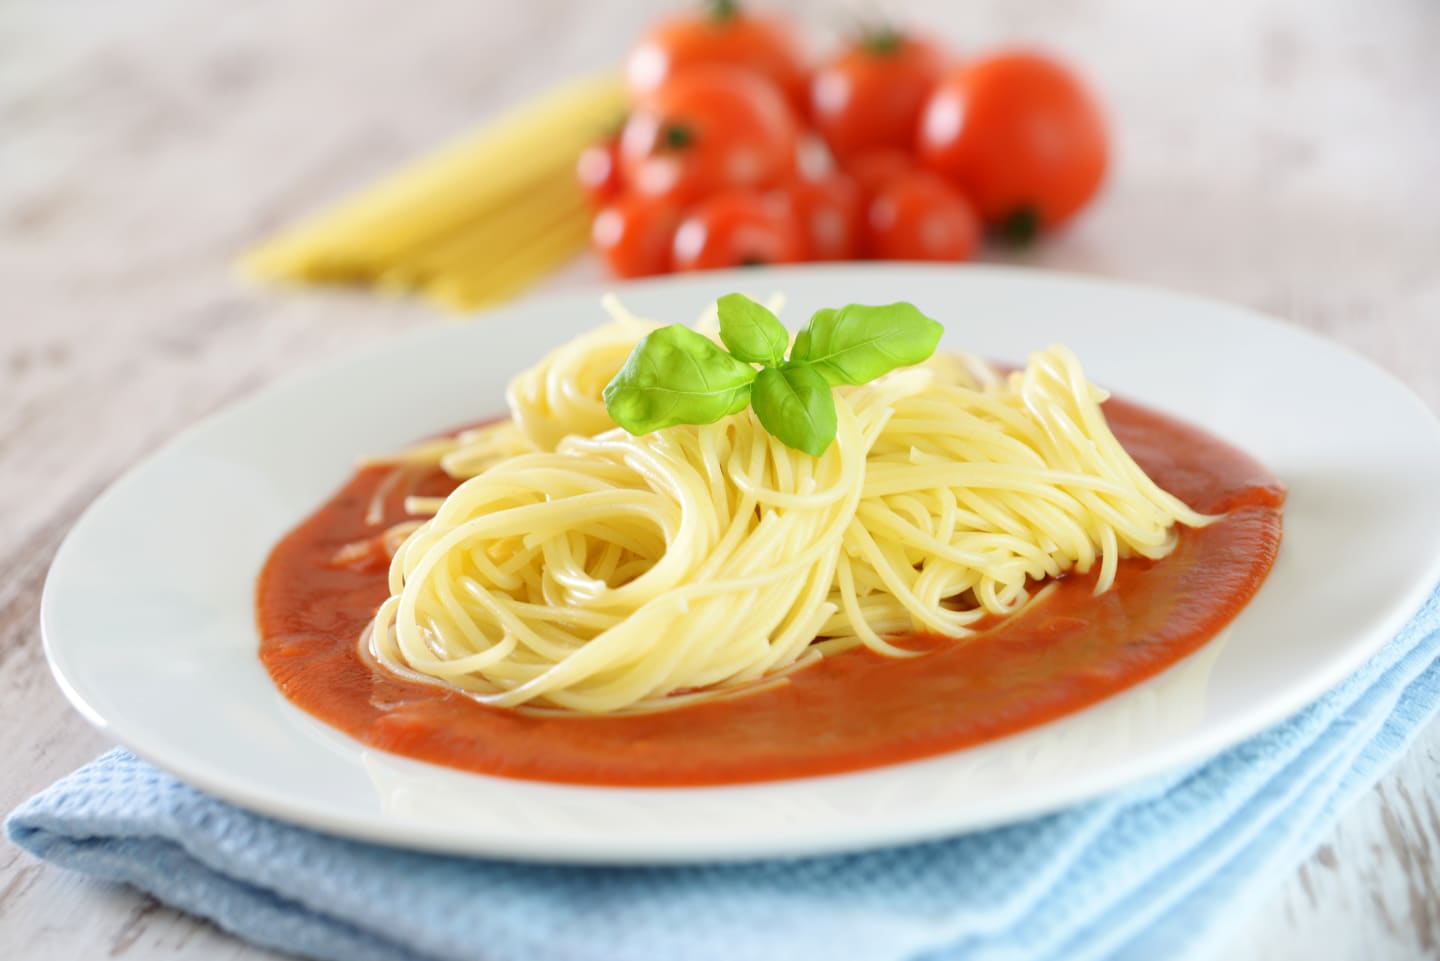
[583, 569]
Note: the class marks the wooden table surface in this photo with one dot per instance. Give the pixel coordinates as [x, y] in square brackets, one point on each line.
[1282, 154]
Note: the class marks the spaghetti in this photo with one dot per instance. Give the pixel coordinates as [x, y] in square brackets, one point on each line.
[583, 569]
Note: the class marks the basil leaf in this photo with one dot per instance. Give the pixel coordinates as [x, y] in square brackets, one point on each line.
[856, 344]
[751, 331]
[802, 339]
[795, 403]
[676, 376]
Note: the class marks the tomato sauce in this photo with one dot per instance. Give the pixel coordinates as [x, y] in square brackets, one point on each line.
[852, 711]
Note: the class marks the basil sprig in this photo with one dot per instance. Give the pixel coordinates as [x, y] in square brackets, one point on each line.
[676, 376]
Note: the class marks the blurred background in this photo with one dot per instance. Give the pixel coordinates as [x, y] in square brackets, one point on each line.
[1282, 154]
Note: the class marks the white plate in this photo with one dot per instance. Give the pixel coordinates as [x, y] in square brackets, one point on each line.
[148, 620]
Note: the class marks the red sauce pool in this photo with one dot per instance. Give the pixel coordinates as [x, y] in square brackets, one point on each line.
[852, 711]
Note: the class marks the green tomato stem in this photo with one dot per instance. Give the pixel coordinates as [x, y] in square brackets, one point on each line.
[676, 136]
[1020, 227]
[722, 11]
[882, 40]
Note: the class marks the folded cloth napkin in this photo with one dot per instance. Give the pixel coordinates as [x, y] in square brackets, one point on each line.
[1145, 873]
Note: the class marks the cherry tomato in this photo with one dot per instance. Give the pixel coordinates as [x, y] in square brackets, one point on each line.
[874, 169]
[598, 170]
[634, 235]
[919, 216]
[709, 129]
[738, 228]
[828, 210]
[1021, 136]
[871, 95]
[722, 34]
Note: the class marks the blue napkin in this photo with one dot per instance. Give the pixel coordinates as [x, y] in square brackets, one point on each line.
[1140, 874]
